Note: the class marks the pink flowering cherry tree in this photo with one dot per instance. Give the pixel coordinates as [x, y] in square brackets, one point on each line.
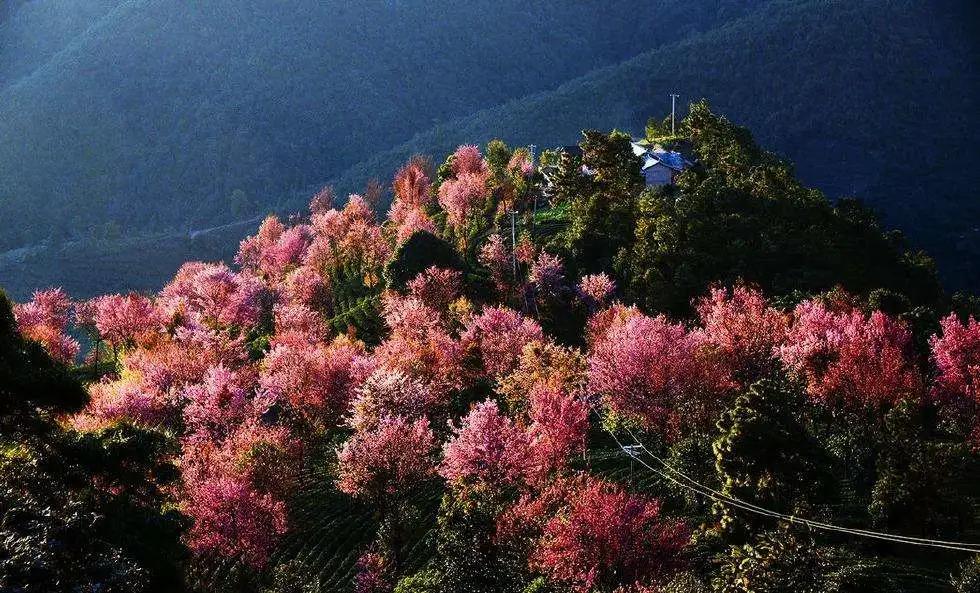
[654, 370]
[487, 448]
[956, 356]
[850, 359]
[44, 320]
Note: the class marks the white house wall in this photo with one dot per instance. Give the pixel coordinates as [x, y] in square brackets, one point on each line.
[658, 175]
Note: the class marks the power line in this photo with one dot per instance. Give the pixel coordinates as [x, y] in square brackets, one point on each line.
[707, 492]
[642, 447]
[724, 499]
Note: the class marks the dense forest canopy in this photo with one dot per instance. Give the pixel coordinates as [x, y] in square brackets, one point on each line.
[532, 373]
[135, 122]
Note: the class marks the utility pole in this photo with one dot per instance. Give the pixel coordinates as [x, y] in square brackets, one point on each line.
[534, 211]
[633, 451]
[673, 114]
[513, 241]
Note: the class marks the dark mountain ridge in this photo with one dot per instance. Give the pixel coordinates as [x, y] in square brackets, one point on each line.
[165, 116]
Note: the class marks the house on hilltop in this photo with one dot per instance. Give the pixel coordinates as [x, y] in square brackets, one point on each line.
[659, 165]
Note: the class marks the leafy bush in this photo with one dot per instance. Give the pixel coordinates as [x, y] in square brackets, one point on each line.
[421, 251]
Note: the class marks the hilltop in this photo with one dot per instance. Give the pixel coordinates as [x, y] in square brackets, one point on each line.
[566, 378]
[873, 99]
[870, 99]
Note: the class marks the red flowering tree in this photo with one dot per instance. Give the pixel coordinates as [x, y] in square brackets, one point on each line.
[520, 525]
[467, 159]
[151, 388]
[655, 370]
[463, 197]
[600, 322]
[251, 248]
[956, 356]
[559, 423]
[168, 364]
[596, 290]
[213, 295]
[525, 251]
[743, 328]
[125, 320]
[295, 321]
[603, 537]
[437, 287]
[495, 256]
[286, 253]
[387, 392]
[413, 196]
[498, 335]
[547, 273]
[44, 320]
[413, 182]
[382, 462]
[220, 403]
[112, 401]
[413, 221]
[232, 518]
[418, 345]
[317, 380]
[850, 359]
[235, 488]
[274, 250]
[305, 286]
[520, 164]
[373, 574]
[347, 239]
[322, 200]
[487, 448]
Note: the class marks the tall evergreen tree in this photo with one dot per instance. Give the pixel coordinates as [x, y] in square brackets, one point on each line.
[602, 214]
[764, 456]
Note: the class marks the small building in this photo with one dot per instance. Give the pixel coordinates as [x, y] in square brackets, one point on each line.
[659, 166]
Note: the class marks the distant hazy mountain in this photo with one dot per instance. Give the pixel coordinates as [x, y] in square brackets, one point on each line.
[32, 31]
[151, 114]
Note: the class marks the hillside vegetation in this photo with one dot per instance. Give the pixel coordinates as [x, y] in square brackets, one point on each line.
[32, 33]
[159, 118]
[582, 385]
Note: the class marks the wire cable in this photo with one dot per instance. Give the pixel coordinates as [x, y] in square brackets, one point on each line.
[809, 521]
[707, 492]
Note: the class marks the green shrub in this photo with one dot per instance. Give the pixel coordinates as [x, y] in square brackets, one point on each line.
[419, 252]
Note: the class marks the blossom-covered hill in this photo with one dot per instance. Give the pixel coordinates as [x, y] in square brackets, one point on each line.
[438, 398]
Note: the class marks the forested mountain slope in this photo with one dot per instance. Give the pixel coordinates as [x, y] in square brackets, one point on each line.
[874, 99]
[32, 32]
[158, 115]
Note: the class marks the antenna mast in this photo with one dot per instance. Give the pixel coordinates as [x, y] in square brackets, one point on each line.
[673, 114]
